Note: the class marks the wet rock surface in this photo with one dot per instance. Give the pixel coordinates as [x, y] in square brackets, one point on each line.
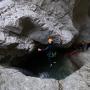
[11, 79]
[24, 22]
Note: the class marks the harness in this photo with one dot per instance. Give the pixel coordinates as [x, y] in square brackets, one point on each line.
[51, 55]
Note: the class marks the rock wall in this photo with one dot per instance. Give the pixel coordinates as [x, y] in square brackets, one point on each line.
[81, 19]
[45, 17]
[16, 17]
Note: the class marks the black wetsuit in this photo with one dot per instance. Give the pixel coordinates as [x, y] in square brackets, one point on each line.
[50, 51]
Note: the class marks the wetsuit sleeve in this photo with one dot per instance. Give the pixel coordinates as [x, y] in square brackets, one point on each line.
[46, 48]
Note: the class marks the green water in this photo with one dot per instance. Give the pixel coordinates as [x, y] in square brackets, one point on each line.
[60, 70]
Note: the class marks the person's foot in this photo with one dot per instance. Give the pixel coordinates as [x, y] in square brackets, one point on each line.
[51, 65]
[54, 62]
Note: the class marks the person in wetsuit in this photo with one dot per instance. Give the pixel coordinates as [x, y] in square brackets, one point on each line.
[50, 51]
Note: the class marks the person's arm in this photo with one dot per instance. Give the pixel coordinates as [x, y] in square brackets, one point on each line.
[46, 48]
[39, 49]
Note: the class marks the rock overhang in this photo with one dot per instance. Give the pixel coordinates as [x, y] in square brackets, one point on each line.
[13, 22]
[48, 23]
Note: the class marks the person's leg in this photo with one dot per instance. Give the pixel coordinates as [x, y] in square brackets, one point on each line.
[88, 45]
[54, 60]
[83, 47]
[50, 61]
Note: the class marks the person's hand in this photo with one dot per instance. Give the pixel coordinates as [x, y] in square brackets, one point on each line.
[39, 49]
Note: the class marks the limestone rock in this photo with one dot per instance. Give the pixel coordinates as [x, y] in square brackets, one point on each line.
[23, 21]
[38, 17]
[79, 80]
[11, 79]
